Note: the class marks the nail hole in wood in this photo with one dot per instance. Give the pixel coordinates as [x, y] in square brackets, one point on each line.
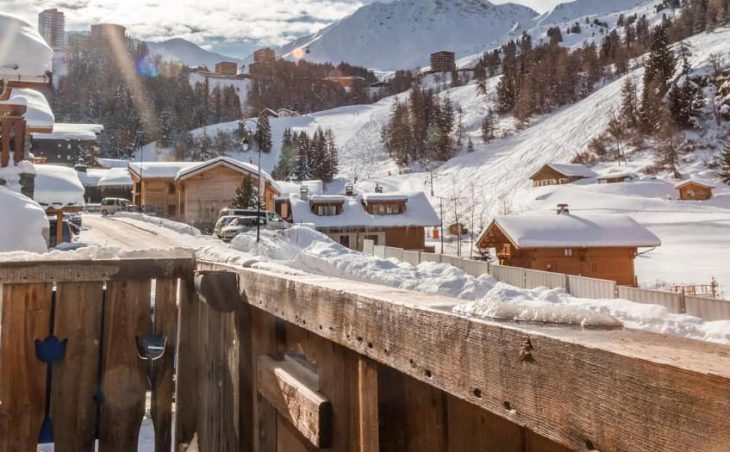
[477, 393]
[428, 374]
[370, 345]
[589, 445]
[507, 406]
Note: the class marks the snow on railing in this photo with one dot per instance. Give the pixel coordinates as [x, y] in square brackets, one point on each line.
[578, 286]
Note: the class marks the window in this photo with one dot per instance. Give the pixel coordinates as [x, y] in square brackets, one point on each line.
[326, 210]
[374, 238]
[171, 189]
[568, 252]
[392, 209]
[385, 209]
[345, 241]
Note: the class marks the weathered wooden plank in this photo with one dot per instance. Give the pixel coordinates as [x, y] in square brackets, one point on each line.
[16, 272]
[367, 405]
[162, 383]
[246, 378]
[263, 341]
[78, 318]
[124, 374]
[285, 385]
[425, 417]
[289, 439]
[25, 316]
[187, 352]
[614, 385]
[474, 429]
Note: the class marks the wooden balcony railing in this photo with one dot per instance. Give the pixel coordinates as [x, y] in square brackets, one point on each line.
[292, 362]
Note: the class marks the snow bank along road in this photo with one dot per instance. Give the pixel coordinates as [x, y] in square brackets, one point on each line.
[303, 250]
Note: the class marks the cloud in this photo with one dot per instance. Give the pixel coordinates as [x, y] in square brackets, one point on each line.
[210, 23]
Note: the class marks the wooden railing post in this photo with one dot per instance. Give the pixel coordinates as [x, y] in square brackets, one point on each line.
[186, 389]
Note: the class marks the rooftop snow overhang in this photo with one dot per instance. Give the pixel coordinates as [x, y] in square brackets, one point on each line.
[25, 57]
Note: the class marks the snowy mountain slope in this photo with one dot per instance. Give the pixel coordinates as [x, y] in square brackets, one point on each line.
[186, 52]
[404, 33]
[565, 12]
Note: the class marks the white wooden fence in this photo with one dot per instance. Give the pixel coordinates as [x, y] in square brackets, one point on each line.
[578, 286]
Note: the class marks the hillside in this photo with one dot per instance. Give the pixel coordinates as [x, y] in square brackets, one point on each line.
[186, 52]
[411, 30]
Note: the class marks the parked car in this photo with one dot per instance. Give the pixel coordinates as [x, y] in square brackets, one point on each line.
[67, 233]
[75, 220]
[110, 206]
[271, 219]
[239, 225]
[222, 223]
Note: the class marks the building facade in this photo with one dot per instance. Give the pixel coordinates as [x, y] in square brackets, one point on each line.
[67, 144]
[264, 56]
[109, 32]
[694, 190]
[560, 173]
[226, 68]
[52, 26]
[443, 61]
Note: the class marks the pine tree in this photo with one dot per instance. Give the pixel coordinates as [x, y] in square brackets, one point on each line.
[287, 157]
[661, 63]
[488, 125]
[333, 158]
[245, 195]
[263, 133]
[725, 163]
[303, 168]
[629, 104]
[669, 146]
[469, 145]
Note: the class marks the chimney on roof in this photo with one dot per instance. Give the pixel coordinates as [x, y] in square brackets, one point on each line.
[349, 190]
[563, 209]
[304, 192]
[378, 188]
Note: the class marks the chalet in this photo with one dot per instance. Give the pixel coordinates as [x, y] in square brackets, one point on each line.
[694, 190]
[616, 178]
[560, 173]
[457, 229]
[393, 219]
[203, 189]
[597, 246]
[67, 144]
[90, 178]
[153, 186]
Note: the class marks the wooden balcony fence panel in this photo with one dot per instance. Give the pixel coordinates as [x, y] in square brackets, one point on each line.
[537, 278]
[582, 287]
[473, 267]
[707, 308]
[365, 367]
[674, 302]
[98, 309]
[430, 257]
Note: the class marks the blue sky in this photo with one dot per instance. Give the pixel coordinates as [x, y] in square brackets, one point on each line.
[231, 27]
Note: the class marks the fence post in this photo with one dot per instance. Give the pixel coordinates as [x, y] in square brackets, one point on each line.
[682, 302]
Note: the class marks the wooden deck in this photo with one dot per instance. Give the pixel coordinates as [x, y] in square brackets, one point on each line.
[273, 362]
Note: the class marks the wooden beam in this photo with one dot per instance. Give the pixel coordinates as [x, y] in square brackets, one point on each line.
[286, 385]
[38, 271]
[367, 405]
[612, 385]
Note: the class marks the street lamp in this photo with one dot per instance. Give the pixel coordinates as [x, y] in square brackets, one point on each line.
[245, 145]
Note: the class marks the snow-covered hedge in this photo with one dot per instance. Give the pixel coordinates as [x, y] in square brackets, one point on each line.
[23, 223]
[182, 228]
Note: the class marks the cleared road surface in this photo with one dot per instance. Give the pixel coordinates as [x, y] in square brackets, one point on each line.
[129, 234]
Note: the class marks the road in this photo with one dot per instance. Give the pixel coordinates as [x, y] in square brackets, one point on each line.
[130, 234]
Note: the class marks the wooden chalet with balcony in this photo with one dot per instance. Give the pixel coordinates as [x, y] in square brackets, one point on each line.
[596, 246]
[560, 173]
[392, 219]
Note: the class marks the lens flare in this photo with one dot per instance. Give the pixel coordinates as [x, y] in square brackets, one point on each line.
[146, 68]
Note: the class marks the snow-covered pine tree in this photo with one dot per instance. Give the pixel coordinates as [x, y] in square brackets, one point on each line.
[629, 104]
[469, 145]
[287, 157]
[482, 254]
[245, 196]
[661, 63]
[669, 146]
[303, 168]
[333, 158]
[319, 157]
[725, 163]
[263, 133]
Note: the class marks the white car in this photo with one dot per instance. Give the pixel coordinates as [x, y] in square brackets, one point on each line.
[110, 206]
[272, 220]
[222, 223]
[239, 225]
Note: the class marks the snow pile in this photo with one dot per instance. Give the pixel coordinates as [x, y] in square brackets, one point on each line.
[92, 253]
[159, 170]
[227, 162]
[308, 250]
[69, 131]
[10, 175]
[24, 52]
[24, 222]
[58, 186]
[38, 114]
[90, 177]
[180, 228]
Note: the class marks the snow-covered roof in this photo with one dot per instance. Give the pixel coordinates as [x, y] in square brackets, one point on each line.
[418, 213]
[316, 187]
[568, 170]
[38, 114]
[112, 163]
[23, 223]
[574, 231]
[158, 170]
[322, 199]
[91, 177]
[617, 175]
[68, 131]
[227, 162]
[58, 186]
[25, 54]
[702, 182]
[116, 177]
[383, 197]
